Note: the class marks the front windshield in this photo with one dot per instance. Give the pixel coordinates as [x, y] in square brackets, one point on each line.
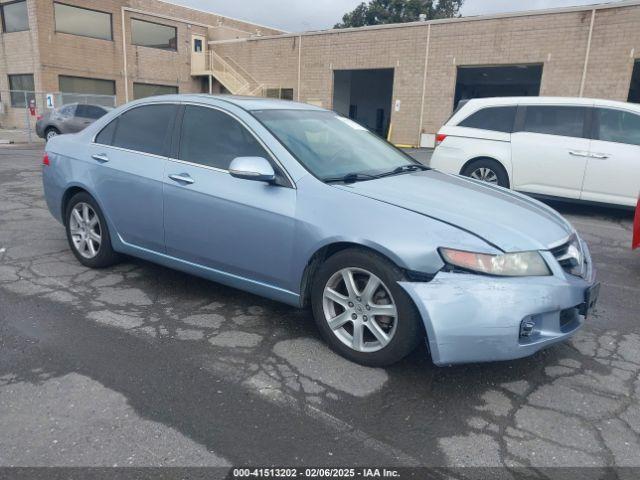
[330, 146]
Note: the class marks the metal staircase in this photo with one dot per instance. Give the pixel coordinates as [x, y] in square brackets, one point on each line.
[228, 72]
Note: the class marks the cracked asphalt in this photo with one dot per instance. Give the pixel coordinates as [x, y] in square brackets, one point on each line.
[139, 365]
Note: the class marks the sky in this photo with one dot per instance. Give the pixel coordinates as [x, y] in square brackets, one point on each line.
[302, 15]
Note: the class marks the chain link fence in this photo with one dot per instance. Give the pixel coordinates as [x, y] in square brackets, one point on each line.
[20, 110]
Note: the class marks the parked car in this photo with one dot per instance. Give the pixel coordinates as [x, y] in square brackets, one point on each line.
[300, 205]
[571, 148]
[636, 228]
[70, 118]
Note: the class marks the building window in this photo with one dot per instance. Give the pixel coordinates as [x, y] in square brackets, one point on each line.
[142, 90]
[22, 89]
[634, 89]
[15, 17]
[281, 93]
[87, 90]
[83, 22]
[154, 35]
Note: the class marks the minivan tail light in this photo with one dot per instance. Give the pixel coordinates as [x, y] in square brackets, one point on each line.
[440, 138]
[45, 160]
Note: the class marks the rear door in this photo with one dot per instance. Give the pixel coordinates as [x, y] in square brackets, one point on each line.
[613, 167]
[549, 150]
[130, 156]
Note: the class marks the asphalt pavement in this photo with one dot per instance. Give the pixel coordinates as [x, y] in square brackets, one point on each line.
[139, 365]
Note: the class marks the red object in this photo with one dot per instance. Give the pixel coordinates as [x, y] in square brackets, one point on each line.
[45, 159]
[39, 117]
[636, 228]
[440, 138]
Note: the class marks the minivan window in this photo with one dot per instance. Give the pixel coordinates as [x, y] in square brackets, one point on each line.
[617, 126]
[212, 138]
[555, 120]
[145, 129]
[497, 119]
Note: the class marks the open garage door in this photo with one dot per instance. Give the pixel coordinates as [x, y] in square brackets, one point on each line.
[365, 96]
[501, 81]
[634, 90]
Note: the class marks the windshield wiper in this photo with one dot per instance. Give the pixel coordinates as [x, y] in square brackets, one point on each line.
[412, 167]
[351, 178]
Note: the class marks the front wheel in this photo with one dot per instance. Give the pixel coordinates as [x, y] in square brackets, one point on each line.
[362, 312]
[87, 232]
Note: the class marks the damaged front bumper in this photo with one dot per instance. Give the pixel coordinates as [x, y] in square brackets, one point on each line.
[478, 318]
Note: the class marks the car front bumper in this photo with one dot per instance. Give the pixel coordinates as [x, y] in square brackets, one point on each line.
[477, 318]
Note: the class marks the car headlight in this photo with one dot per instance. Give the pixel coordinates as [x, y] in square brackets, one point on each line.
[521, 264]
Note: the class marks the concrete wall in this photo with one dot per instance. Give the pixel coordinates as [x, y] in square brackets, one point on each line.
[558, 40]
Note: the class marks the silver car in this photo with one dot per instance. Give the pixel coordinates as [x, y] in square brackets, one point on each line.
[297, 204]
[70, 118]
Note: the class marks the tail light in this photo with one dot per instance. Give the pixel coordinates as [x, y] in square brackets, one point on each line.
[440, 138]
[39, 117]
[45, 159]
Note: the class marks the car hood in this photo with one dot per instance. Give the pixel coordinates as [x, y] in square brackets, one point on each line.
[507, 220]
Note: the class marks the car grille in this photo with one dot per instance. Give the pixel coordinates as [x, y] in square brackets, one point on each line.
[571, 257]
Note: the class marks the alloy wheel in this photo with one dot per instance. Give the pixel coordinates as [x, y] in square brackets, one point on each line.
[485, 174]
[359, 309]
[85, 229]
[51, 134]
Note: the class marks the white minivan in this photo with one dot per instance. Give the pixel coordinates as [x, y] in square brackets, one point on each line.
[573, 148]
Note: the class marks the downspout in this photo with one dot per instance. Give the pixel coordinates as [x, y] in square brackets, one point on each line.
[424, 84]
[299, 65]
[124, 57]
[586, 57]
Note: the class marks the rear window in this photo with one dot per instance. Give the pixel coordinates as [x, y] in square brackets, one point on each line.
[497, 119]
[552, 120]
[617, 126]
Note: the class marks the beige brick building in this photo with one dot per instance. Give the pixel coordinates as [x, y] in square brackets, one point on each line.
[401, 80]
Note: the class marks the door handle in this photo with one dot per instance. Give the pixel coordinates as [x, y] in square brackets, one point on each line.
[579, 153]
[182, 178]
[100, 157]
[600, 156]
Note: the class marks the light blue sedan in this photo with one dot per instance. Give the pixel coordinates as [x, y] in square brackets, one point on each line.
[300, 205]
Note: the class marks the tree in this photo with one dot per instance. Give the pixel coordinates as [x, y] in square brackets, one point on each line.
[378, 12]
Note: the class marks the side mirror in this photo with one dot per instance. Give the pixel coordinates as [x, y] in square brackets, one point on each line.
[252, 168]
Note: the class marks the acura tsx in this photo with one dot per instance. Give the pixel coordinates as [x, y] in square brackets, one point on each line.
[300, 205]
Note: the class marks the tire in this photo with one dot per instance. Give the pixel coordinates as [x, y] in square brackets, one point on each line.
[51, 132]
[101, 253]
[487, 170]
[403, 332]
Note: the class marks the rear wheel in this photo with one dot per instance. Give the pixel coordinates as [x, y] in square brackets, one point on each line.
[487, 170]
[362, 312]
[51, 132]
[87, 232]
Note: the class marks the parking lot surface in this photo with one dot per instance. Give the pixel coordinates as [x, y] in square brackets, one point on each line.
[141, 365]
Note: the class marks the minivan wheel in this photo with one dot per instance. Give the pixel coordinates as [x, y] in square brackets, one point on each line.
[362, 312]
[87, 232]
[487, 170]
[50, 133]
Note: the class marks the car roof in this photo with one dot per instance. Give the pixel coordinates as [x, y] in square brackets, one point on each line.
[246, 103]
[476, 102]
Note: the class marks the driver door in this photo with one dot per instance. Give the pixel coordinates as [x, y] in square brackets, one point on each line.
[240, 227]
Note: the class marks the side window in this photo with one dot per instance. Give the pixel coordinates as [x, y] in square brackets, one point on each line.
[145, 129]
[213, 138]
[67, 110]
[617, 126]
[552, 120]
[498, 119]
[105, 137]
[90, 111]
